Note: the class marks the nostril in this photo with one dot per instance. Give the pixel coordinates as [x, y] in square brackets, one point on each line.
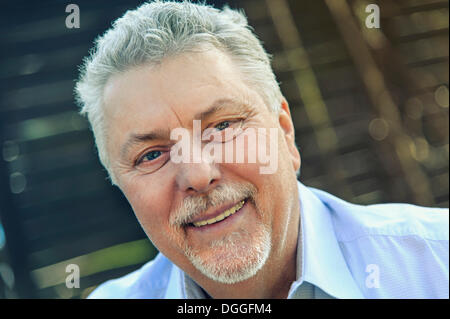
[197, 178]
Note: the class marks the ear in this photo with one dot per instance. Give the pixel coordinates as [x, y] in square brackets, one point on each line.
[285, 121]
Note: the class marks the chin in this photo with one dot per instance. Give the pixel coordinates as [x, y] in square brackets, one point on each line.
[235, 258]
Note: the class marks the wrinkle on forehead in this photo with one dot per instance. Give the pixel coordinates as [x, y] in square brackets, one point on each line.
[176, 115]
[190, 77]
[169, 94]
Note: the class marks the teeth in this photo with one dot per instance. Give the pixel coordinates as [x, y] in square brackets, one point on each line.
[222, 216]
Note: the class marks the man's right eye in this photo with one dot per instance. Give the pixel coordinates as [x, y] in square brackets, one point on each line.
[149, 157]
[152, 155]
[152, 160]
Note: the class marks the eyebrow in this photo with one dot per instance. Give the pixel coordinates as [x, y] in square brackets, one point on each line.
[136, 139]
[164, 134]
[219, 105]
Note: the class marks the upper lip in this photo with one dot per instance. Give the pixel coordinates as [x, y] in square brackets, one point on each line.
[214, 212]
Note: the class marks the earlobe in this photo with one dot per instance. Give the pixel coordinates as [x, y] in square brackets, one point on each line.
[285, 121]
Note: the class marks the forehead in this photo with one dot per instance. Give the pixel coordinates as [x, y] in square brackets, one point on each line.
[180, 86]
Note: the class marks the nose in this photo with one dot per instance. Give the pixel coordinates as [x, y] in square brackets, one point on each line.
[194, 178]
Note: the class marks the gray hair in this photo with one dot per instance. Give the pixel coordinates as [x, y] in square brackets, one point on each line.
[160, 29]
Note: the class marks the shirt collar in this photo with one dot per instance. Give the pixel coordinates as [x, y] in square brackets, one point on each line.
[319, 259]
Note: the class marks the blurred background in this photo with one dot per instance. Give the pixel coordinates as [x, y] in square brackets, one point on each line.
[370, 107]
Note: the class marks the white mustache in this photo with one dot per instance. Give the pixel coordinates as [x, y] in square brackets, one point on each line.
[222, 194]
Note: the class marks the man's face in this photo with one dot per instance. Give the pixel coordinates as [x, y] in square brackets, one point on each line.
[214, 219]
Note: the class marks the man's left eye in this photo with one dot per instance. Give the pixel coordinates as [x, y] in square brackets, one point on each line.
[224, 131]
[222, 125]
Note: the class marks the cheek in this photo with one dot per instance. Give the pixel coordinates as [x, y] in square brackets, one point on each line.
[150, 205]
[272, 187]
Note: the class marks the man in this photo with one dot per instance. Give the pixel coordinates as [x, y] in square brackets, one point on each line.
[229, 228]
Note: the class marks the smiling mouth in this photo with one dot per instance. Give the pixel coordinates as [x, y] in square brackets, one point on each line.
[229, 212]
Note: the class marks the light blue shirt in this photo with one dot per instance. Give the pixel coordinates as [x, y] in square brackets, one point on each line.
[345, 251]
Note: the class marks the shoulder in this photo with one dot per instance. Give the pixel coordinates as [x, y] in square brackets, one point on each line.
[394, 219]
[404, 246]
[405, 219]
[148, 282]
